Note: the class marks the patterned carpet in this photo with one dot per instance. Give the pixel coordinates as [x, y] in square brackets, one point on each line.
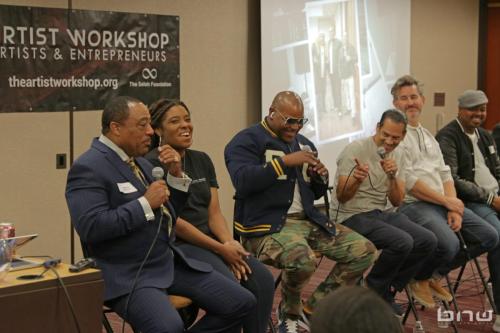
[469, 296]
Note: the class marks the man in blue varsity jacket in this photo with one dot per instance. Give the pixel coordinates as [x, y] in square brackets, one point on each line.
[277, 176]
[127, 222]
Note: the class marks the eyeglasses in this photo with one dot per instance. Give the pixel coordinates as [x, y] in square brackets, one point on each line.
[290, 121]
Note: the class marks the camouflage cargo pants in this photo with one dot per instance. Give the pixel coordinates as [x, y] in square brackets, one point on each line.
[293, 251]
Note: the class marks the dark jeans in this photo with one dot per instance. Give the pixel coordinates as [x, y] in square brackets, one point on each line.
[405, 247]
[490, 216]
[479, 236]
[226, 304]
[260, 283]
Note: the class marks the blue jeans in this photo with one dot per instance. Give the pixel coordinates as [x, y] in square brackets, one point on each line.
[491, 216]
[405, 247]
[477, 233]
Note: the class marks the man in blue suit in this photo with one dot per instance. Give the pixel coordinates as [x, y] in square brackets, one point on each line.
[126, 221]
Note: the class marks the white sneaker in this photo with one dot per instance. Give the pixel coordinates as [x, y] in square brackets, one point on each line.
[304, 322]
[288, 325]
[496, 325]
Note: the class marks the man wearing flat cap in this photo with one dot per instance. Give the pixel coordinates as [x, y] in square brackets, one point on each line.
[471, 153]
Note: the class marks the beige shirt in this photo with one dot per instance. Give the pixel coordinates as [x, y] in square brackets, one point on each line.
[424, 161]
[367, 197]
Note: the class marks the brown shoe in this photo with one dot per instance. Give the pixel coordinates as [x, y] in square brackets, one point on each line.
[421, 292]
[439, 291]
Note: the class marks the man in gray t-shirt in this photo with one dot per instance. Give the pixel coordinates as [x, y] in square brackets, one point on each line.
[370, 172]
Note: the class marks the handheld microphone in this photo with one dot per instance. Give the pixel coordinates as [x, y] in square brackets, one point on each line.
[381, 152]
[308, 149]
[158, 173]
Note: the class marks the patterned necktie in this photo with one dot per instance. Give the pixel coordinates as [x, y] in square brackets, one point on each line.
[138, 173]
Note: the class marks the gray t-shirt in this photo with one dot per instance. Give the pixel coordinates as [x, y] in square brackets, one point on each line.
[370, 195]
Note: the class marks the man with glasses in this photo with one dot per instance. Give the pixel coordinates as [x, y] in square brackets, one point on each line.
[471, 153]
[277, 176]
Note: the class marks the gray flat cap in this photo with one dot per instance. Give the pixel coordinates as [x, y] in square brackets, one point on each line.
[471, 98]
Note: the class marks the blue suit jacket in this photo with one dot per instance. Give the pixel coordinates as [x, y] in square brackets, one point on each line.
[112, 225]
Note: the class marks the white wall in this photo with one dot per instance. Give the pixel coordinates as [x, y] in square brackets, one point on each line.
[444, 53]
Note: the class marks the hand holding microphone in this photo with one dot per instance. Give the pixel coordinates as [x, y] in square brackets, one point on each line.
[388, 165]
[157, 192]
[318, 169]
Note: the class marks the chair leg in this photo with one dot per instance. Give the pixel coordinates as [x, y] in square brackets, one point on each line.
[412, 308]
[447, 308]
[481, 275]
[188, 314]
[459, 277]
[452, 291]
[277, 282]
[485, 286]
[106, 324]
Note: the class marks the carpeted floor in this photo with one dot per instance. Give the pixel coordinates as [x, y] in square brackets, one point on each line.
[469, 296]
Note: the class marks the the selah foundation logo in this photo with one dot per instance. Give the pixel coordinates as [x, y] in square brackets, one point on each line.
[148, 75]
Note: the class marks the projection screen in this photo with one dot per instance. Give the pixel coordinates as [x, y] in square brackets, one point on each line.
[341, 57]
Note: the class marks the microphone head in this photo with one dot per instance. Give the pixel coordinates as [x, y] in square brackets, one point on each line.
[381, 152]
[306, 148]
[158, 173]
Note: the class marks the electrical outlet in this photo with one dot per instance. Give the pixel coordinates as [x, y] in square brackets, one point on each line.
[60, 161]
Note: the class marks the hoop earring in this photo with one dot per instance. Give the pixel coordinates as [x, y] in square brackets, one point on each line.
[159, 141]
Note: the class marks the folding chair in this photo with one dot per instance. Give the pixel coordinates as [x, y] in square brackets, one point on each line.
[453, 288]
[479, 271]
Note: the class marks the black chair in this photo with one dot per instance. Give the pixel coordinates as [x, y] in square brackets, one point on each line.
[454, 287]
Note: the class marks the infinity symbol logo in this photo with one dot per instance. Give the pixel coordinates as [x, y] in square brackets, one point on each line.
[149, 73]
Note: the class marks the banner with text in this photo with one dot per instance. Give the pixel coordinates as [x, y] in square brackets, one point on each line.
[59, 60]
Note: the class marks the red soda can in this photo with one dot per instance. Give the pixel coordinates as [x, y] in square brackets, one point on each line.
[7, 230]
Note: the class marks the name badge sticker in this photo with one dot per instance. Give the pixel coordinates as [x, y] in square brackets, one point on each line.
[126, 188]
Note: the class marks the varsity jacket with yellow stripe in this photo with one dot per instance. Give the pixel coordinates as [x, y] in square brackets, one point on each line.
[265, 186]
